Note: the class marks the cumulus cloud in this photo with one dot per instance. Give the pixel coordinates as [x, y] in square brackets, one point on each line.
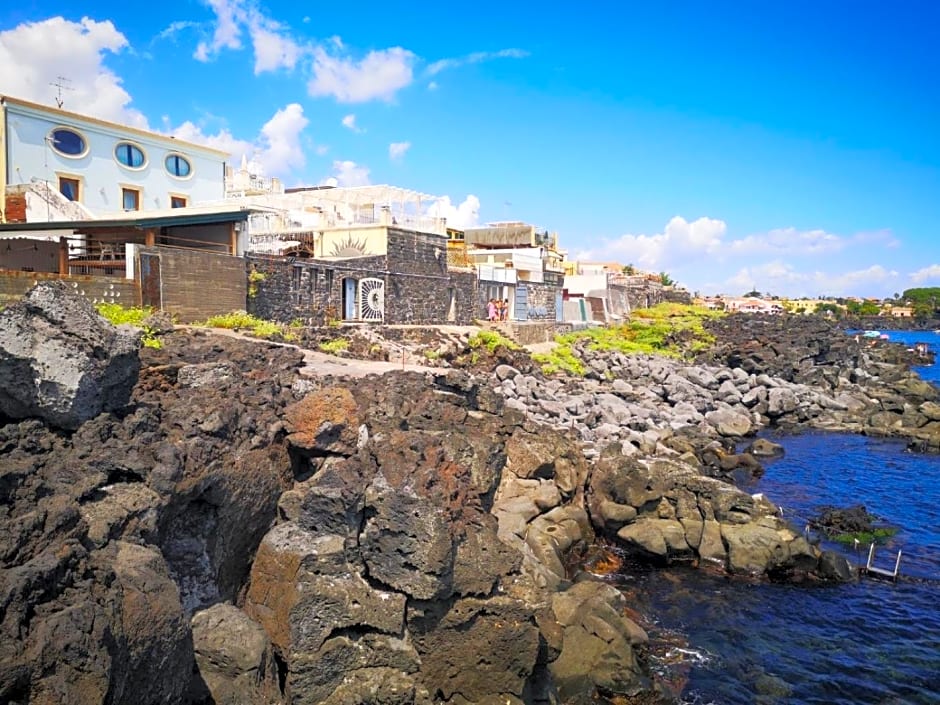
[349, 122]
[42, 51]
[273, 49]
[783, 279]
[277, 148]
[680, 240]
[379, 75]
[464, 215]
[349, 173]
[788, 240]
[397, 150]
[926, 274]
[436, 67]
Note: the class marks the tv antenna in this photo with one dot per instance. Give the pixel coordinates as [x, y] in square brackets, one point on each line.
[60, 84]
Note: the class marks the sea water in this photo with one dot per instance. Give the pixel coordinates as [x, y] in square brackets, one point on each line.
[728, 641]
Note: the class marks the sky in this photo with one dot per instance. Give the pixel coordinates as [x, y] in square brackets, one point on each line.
[788, 147]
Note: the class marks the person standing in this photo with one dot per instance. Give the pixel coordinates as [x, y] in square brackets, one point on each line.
[492, 313]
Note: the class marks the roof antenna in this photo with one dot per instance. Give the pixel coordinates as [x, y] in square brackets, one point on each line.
[60, 84]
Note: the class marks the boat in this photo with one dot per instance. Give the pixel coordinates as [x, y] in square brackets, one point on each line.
[871, 334]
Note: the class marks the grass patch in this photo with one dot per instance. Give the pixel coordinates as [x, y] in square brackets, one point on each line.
[258, 327]
[490, 341]
[335, 346]
[135, 316]
[561, 359]
[674, 330]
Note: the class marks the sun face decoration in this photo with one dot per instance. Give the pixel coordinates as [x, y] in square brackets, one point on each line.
[348, 247]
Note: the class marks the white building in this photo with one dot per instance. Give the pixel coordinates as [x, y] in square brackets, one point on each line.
[59, 165]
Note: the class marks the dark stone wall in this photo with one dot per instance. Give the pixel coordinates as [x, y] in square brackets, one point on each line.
[540, 300]
[304, 289]
[419, 289]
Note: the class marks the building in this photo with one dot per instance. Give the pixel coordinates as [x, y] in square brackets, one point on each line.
[359, 254]
[521, 263]
[59, 165]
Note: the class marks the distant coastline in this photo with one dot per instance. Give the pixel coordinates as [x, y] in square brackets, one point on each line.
[889, 323]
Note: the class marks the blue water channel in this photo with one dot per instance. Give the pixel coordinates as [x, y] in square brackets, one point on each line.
[728, 642]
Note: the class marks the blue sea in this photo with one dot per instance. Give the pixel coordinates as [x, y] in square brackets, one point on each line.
[727, 642]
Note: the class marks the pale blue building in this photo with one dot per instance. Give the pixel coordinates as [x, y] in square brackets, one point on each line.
[103, 166]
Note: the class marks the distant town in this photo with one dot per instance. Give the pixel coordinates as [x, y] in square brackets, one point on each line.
[141, 218]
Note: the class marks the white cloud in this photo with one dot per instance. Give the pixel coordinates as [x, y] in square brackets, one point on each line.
[680, 240]
[474, 58]
[41, 52]
[926, 274]
[464, 215]
[378, 76]
[277, 148]
[227, 34]
[348, 173]
[175, 28]
[273, 50]
[281, 136]
[789, 241]
[273, 47]
[783, 279]
[397, 150]
[432, 86]
[349, 122]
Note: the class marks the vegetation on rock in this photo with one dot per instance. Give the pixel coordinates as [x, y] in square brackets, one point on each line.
[335, 346]
[136, 316]
[674, 330]
[243, 321]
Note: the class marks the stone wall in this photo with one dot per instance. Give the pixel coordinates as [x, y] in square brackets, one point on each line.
[308, 290]
[618, 300]
[418, 287]
[540, 300]
[421, 289]
[14, 285]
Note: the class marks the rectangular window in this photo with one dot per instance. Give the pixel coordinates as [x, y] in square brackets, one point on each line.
[68, 187]
[130, 197]
[177, 201]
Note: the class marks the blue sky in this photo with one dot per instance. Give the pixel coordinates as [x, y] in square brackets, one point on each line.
[789, 147]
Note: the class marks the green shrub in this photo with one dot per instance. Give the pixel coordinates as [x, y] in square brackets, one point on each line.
[490, 340]
[135, 316]
[254, 279]
[335, 346]
[674, 330]
[241, 320]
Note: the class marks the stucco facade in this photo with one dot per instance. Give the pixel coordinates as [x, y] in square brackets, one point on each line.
[106, 167]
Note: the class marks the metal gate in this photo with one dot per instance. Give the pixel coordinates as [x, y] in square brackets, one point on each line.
[151, 284]
[521, 308]
[372, 300]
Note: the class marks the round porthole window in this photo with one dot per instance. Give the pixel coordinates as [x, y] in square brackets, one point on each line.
[178, 165]
[130, 155]
[67, 142]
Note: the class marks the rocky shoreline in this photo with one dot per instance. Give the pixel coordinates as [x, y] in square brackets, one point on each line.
[224, 525]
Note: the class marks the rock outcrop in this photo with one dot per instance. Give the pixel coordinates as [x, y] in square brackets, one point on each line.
[234, 532]
[60, 361]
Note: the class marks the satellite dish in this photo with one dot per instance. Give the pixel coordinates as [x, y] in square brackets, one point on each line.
[331, 182]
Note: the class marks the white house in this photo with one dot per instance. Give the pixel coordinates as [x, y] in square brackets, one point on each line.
[59, 165]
